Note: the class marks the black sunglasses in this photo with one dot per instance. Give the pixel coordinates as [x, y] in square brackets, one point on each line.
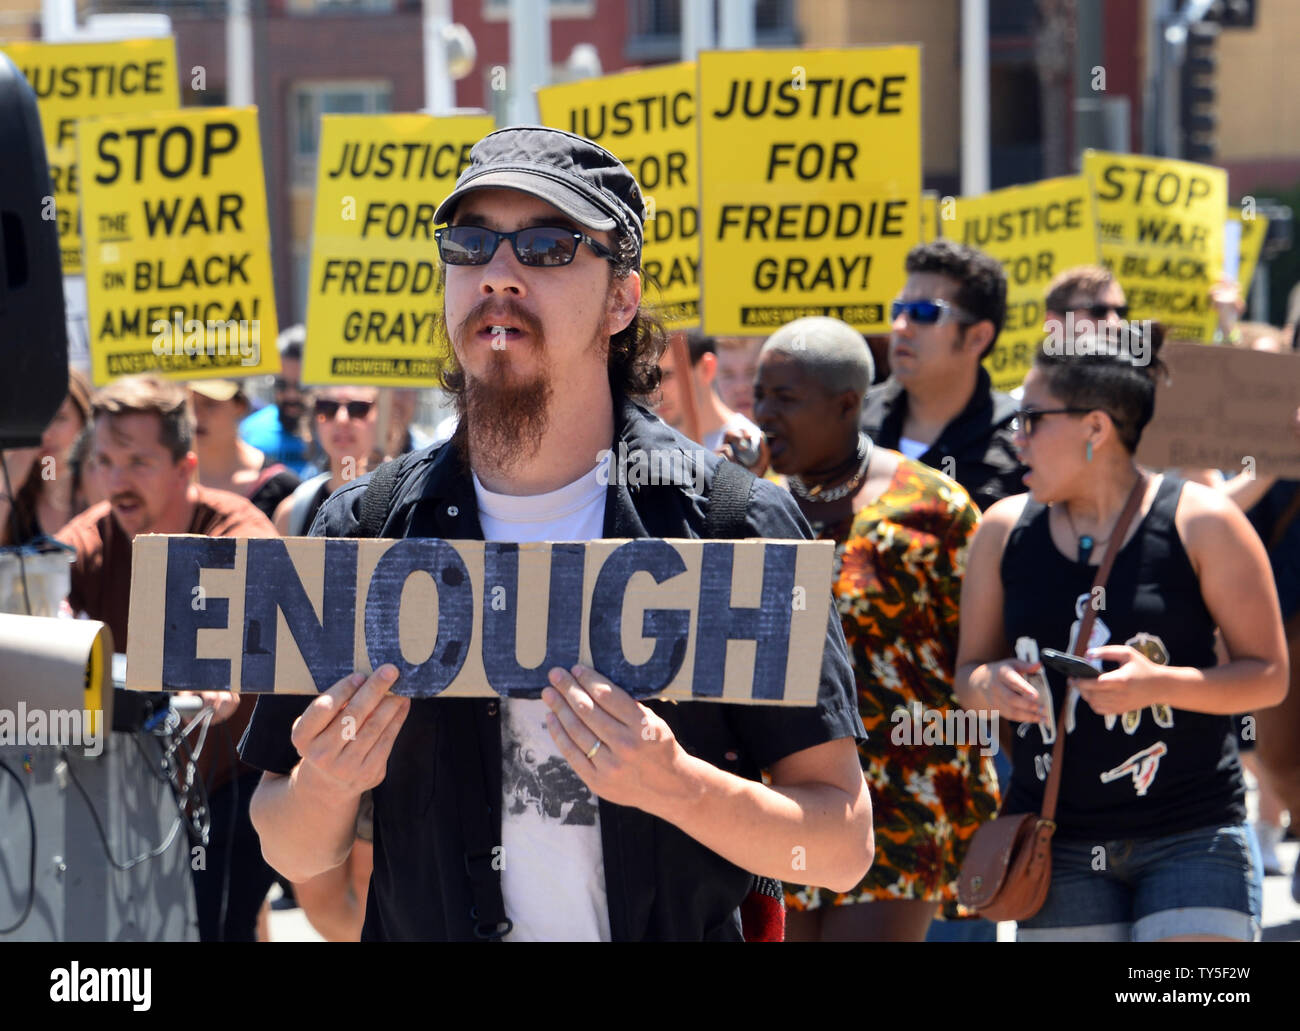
[929, 312]
[328, 408]
[536, 246]
[1027, 418]
[1100, 311]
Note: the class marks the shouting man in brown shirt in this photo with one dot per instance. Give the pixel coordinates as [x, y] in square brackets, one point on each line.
[141, 448]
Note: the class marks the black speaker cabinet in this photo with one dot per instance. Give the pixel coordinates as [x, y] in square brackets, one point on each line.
[33, 334]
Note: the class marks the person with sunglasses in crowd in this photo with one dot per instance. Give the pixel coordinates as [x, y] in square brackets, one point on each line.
[345, 427]
[277, 430]
[938, 405]
[1086, 297]
[577, 813]
[1150, 842]
[901, 530]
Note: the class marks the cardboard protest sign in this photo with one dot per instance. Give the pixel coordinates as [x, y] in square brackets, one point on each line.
[1225, 408]
[1253, 230]
[84, 80]
[810, 167]
[732, 621]
[1035, 231]
[1160, 224]
[178, 258]
[374, 299]
[647, 119]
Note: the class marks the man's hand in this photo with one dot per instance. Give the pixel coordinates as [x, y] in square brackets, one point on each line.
[623, 751]
[346, 735]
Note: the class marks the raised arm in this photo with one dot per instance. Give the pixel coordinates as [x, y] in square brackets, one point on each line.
[987, 679]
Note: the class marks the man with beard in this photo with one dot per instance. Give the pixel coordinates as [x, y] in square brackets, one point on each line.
[141, 450]
[276, 430]
[579, 814]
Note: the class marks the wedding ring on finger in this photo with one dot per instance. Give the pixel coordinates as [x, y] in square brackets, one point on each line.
[591, 752]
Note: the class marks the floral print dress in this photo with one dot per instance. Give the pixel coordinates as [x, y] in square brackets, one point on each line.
[898, 569]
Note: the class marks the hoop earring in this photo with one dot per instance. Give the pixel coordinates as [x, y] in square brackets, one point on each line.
[1089, 451]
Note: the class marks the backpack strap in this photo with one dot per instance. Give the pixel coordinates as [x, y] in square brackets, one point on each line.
[378, 499]
[762, 914]
[728, 501]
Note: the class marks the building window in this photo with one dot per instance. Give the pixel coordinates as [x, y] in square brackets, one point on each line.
[655, 27]
[499, 10]
[310, 100]
[347, 6]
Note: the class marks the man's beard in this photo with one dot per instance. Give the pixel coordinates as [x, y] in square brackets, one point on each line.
[503, 416]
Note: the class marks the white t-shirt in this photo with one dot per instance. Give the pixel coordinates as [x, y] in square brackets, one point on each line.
[553, 880]
[738, 421]
[913, 449]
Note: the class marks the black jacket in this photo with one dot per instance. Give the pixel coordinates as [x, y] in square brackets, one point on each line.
[660, 883]
[976, 449]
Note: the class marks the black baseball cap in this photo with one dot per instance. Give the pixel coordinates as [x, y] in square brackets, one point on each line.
[581, 178]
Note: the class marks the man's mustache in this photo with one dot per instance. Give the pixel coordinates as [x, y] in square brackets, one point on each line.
[126, 499]
[492, 310]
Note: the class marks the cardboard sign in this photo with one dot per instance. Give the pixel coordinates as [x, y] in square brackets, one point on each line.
[811, 182]
[1036, 232]
[1161, 228]
[647, 118]
[84, 80]
[374, 298]
[178, 251]
[1253, 231]
[731, 621]
[1226, 408]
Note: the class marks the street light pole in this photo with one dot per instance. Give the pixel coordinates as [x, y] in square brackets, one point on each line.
[974, 97]
[530, 57]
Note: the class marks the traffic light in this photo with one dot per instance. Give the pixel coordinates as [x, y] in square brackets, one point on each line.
[1197, 93]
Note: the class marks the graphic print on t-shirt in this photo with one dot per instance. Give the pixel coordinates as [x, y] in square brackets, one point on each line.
[536, 777]
[1141, 766]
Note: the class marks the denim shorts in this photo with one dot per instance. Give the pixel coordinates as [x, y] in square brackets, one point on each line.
[1201, 882]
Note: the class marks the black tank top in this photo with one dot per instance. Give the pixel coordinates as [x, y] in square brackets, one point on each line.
[1148, 773]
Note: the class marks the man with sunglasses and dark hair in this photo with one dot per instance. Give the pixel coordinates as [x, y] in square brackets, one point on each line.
[581, 814]
[1086, 296]
[939, 405]
[276, 430]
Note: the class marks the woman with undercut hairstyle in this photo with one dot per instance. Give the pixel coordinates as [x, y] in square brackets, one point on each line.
[1151, 842]
[901, 530]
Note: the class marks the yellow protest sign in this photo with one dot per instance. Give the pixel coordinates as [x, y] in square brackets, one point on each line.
[930, 216]
[1036, 232]
[1160, 224]
[178, 259]
[810, 166]
[647, 119]
[373, 300]
[84, 80]
[1253, 231]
